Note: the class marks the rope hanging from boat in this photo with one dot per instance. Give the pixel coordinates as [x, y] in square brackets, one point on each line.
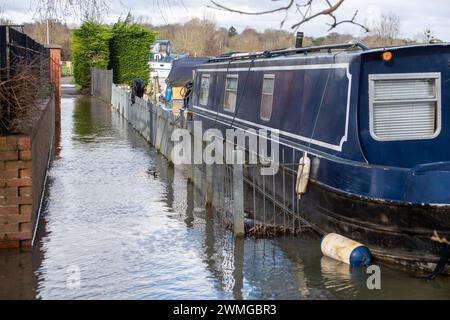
[322, 100]
[445, 255]
[440, 267]
[304, 166]
[355, 45]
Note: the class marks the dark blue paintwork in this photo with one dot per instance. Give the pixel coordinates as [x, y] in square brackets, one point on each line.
[407, 154]
[414, 171]
[360, 256]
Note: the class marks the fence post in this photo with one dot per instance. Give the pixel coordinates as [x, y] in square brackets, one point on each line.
[150, 123]
[101, 84]
[197, 177]
[218, 185]
[209, 185]
[238, 200]
[3, 53]
[238, 273]
[109, 82]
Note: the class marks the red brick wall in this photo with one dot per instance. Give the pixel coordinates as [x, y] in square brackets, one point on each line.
[23, 167]
[15, 191]
[24, 162]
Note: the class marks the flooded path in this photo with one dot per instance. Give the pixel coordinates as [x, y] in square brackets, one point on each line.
[120, 223]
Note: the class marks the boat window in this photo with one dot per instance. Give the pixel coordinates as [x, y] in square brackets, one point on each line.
[405, 106]
[231, 85]
[204, 89]
[267, 97]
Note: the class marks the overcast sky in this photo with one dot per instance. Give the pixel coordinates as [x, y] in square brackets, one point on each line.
[415, 15]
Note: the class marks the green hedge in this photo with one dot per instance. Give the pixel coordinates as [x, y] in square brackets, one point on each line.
[129, 51]
[90, 48]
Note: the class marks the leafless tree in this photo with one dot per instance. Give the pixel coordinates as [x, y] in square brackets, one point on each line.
[203, 37]
[3, 19]
[387, 29]
[61, 34]
[58, 9]
[93, 8]
[307, 10]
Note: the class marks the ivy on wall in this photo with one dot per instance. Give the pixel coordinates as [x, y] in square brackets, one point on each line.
[129, 51]
[90, 48]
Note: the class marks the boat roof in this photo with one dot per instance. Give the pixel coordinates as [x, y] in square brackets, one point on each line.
[411, 46]
[182, 70]
[350, 48]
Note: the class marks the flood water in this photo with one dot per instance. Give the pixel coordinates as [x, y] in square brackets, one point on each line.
[112, 229]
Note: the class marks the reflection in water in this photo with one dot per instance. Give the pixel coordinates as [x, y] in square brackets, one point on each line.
[338, 276]
[83, 126]
[137, 229]
[238, 272]
[17, 278]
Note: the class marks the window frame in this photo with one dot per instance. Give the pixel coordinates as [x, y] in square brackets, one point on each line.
[271, 77]
[206, 76]
[436, 76]
[230, 76]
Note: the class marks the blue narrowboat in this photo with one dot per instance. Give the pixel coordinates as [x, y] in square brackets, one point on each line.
[375, 123]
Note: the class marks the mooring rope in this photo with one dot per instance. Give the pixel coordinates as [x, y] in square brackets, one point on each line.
[322, 99]
[440, 267]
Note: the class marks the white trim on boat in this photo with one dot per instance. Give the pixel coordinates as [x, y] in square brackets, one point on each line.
[285, 68]
[280, 68]
[282, 58]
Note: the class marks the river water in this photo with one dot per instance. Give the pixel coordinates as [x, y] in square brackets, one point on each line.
[112, 229]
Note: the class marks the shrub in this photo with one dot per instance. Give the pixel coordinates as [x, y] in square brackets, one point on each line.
[90, 48]
[21, 96]
[129, 51]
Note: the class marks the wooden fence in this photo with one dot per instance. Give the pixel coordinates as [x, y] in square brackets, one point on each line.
[101, 84]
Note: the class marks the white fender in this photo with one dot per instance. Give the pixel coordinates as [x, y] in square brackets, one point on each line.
[345, 250]
[304, 170]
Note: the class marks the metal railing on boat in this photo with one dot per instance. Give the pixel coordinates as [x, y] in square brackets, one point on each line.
[281, 52]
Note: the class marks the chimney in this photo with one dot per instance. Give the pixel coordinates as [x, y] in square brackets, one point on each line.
[299, 40]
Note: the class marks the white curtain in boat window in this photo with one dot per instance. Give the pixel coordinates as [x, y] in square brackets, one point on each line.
[231, 86]
[405, 106]
[204, 90]
[267, 97]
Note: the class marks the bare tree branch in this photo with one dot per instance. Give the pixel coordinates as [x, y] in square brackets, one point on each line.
[352, 21]
[222, 7]
[3, 18]
[59, 9]
[328, 11]
[56, 9]
[386, 29]
[306, 8]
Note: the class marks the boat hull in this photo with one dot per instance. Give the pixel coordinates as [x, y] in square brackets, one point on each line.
[379, 192]
[398, 234]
